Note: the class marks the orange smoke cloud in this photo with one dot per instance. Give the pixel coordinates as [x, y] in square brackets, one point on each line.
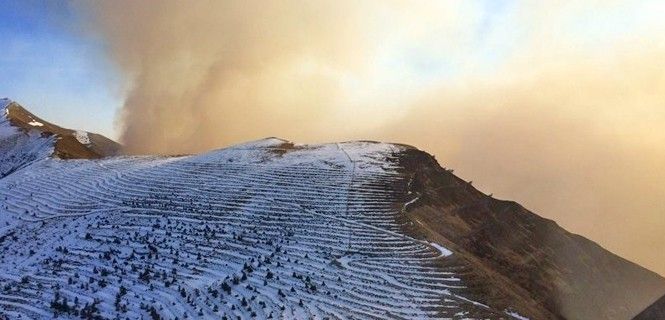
[552, 107]
[580, 144]
[206, 74]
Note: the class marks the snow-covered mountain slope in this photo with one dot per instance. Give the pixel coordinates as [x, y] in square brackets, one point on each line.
[259, 230]
[273, 229]
[19, 148]
[25, 137]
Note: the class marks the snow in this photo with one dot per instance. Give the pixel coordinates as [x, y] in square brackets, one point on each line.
[317, 218]
[82, 137]
[516, 315]
[4, 102]
[18, 149]
[262, 143]
[412, 201]
[443, 250]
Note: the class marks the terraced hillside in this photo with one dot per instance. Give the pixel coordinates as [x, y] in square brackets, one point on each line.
[271, 229]
[260, 230]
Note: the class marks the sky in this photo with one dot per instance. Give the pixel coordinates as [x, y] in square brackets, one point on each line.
[559, 105]
[50, 67]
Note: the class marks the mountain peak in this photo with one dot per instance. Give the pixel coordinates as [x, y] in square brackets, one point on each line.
[267, 142]
[68, 143]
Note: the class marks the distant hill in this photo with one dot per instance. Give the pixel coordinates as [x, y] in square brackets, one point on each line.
[69, 144]
[275, 229]
[25, 138]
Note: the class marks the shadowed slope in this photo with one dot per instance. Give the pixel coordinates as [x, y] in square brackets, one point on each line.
[559, 273]
[655, 311]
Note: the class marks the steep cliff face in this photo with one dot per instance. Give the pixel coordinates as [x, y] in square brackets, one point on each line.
[554, 273]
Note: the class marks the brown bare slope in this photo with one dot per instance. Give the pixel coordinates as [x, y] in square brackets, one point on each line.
[549, 272]
[66, 145]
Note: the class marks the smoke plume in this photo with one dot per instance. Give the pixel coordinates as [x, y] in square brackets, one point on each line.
[582, 145]
[559, 106]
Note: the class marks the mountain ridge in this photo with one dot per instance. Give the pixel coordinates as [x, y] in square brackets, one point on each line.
[69, 144]
[495, 232]
[386, 217]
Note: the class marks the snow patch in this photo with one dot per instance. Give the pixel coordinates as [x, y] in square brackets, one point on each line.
[261, 143]
[4, 102]
[516, 315]
[412, 201]
[35, 123]
[82, 136]
[443, 250]
[18, 150]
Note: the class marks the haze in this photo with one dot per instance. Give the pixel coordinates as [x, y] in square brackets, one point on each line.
[560, 107]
